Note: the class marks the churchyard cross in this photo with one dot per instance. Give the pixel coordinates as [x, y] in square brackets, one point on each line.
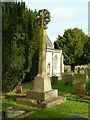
[42, 95]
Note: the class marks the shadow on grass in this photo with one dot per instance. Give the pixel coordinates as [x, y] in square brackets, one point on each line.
[62, 87]
[11, 98]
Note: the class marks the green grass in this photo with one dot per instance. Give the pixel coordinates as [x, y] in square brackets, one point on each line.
[62, 88]
[27, 86]
[59, 111]
[62, 110]
[7, 104]
[10, 100]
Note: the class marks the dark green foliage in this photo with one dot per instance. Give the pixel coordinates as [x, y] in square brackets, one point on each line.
[20, 35]
[86, 54]
[33, 70]
[75, 46]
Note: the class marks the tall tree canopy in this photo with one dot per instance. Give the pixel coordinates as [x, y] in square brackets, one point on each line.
[74, 44]
[20, 38]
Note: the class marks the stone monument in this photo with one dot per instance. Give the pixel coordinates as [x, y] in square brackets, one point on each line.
[79, 84]
[42, 94]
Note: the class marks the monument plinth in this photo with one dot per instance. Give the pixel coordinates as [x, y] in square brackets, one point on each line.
[42, 94]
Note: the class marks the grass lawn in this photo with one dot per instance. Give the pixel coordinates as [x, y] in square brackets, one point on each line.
[63, 110]
[59, 111]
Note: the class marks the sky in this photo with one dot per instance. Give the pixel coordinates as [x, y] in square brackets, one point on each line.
[65, 14]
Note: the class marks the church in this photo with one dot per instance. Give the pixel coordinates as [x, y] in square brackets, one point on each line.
[54, 60]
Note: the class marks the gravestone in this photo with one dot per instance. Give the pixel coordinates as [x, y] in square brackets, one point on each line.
[79, 84]
[54, 80]
[68, 78]
[67, 68]
[19, 88]
[88, 73]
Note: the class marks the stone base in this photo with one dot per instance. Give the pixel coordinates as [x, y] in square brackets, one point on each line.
[42, 96]
[12, 112]
[42, 83]
[44, 104]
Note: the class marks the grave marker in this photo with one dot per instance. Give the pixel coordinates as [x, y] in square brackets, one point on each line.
[79, 84]
[42, 94]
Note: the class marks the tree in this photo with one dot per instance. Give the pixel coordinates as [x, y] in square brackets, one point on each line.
[72, 43]
[12, 47]
[20, 37]
[85, 58]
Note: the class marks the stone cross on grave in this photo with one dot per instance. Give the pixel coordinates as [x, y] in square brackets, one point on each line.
[42, 82]
[42, 91]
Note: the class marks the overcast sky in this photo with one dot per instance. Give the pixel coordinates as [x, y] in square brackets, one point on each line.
[65, 14]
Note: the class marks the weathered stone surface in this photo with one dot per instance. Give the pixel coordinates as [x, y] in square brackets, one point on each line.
[44, 104]
[19, 88]
[68, 78]
[54, 80]
[42, 96]
[13, 112]
[42, 83]
[67, 68]
[88, 73]
[53, 102]
[79, 84]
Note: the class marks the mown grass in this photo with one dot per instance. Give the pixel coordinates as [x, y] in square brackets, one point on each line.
[7, 104]
[63, 110]
[59, 111]
[62, 88]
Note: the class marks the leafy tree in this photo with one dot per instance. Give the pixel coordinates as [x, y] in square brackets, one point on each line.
[85, 58]
[72, 43]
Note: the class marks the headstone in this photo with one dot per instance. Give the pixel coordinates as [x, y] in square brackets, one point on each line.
[82, 71]
[88, 73]
[67, 68]
[68, 78]
[79, 84]
[54, 80]
[19, 88]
